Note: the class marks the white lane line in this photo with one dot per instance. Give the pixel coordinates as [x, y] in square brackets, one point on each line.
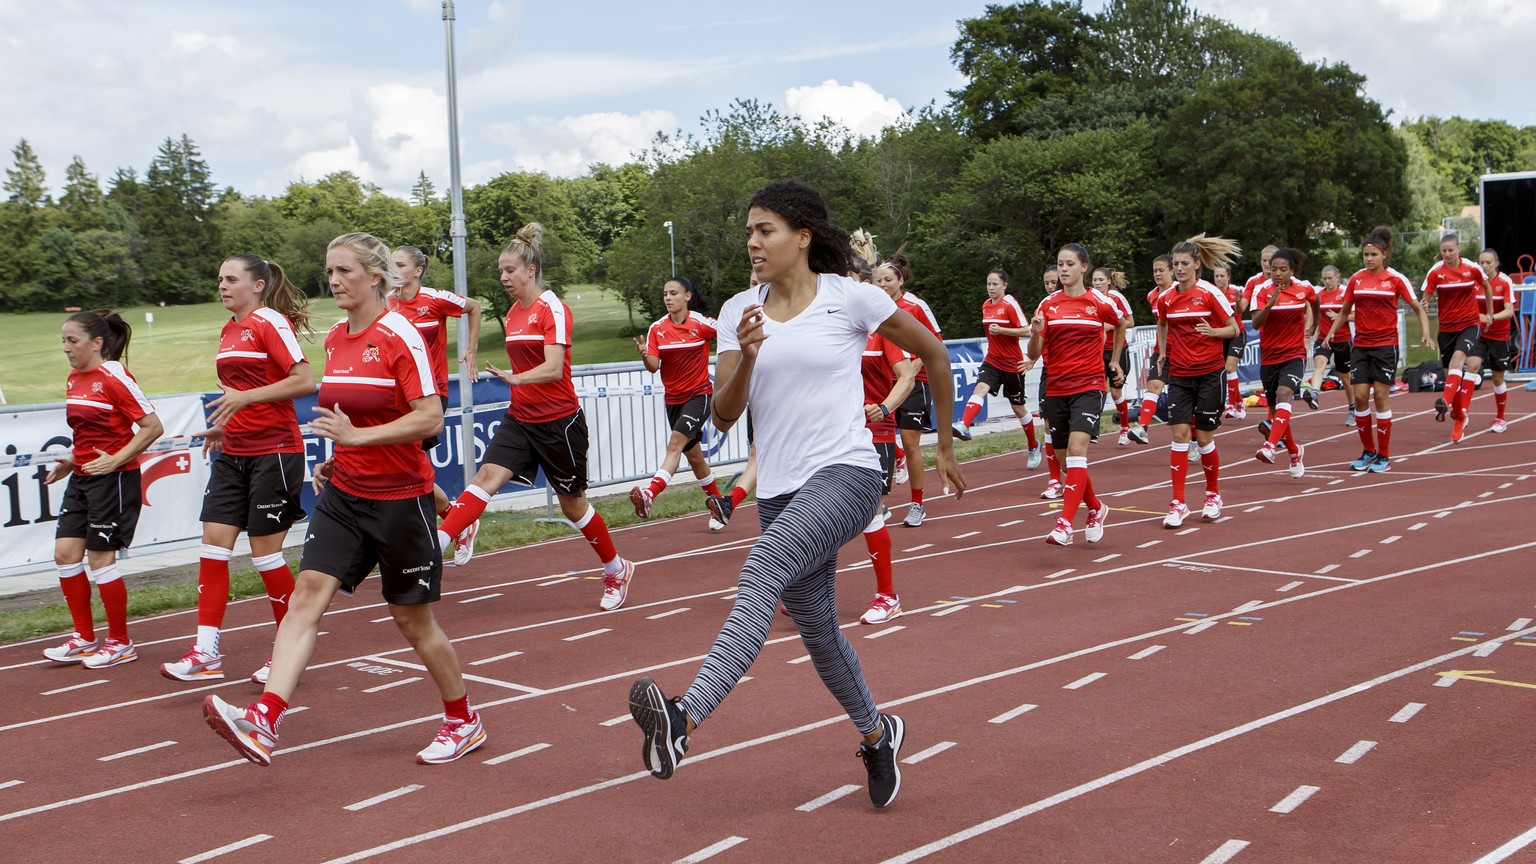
[965, 535]
[1360, 554]
[1520, 624]
[1505, 485]
[1442, 514]
[1187, 531]
[1225, 852]
[678, 611]
[1417, 525]
[1254, 509]
[615, 721]
[1085, 681]
[1290, 802]
[136, 751]
[1328, 568]
[1009, 715]
[1011, 524]
[1407, 712]
[929, 753]
[481, 597]
[387, 796]
[886, 632]
[1334, 482]
[382, 620]
[1353, 754]
[587, 634]
[1446, 680]
[1393, 539]
[1288, 586]
[1202, 626]
[1508, 849]
[1310, 491]
[728, 597]
[562, 580]
[225, 850]
[1249, 606]
[1487, 494]
[1146, 652]
[507, 656]
[798, 660]
[515, 754]
[1110, 557]
[1149, 544]
[919, 548]
[711, 851]
[824, 800]
[9, 783]
[948, 610]
[494, 682]
[73, 687]
[401, 683]
[1060, 573]
[1485, 649]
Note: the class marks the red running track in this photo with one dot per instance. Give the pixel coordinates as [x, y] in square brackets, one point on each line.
[1267, 688]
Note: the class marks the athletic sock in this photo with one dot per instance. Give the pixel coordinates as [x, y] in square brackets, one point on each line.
[659, 482]
[1453, 392]
[1123, 412]
[114, 598]
[710, 486]
[1384, 434]
[1052, 463]
[1364, 427]
[1469, 384]
[466, 510]
[1234, 394]
[1077, 484]
[1291, 446]
[278, 580]
[273, 707]
[1210, 463]
[1178, 464]
[879, 543]
[1089, 498]
[738, 495]
[212, 594]
[972, 408]
[1029, 431]
[1148, 408]
[595, 530]
[1500, 399]
[1279, 423]
[917, 496]
[458, 709]
[77, 595]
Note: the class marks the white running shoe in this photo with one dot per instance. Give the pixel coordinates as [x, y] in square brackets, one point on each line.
[73, 651]
[1061, 535]
[716, 524]
[1499, 426]
[454, 739]
[1240, 411]
[195, 665]
[112, 653]
[246, 729]
[1053, 491]
[1094, 531]
[901, 476]
[1297, 469]
[642, 499]
[1266, 453]
[1177, 511]
[882, 609]
[260, 675]
[1194, 453]
[1349, 418]
[616, 586]
[464, 544]
[1211, 511]
[1138, 433]
[1032, 459]
[1125, 437]
[915, 515]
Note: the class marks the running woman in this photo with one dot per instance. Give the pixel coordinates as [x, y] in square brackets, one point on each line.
[916, 414]
[255, 482]
[1157, 364]
[1493, 347]
[1283, 307]
[1371, 295]
[1054, 488]
[103, 404]
[377, 402]
[1069, 326]
[1117, 367]
[1465, 299]
[1003, 320]
[819, 473]
[429, 310]
[545, 427]
[1221, 277]
[1330, 299]
[888, 375]
[678, 346]
[1194, 320]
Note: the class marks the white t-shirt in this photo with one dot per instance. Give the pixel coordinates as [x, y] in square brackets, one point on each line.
[807, 393]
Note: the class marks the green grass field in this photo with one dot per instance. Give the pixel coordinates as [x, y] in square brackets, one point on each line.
[175, 353]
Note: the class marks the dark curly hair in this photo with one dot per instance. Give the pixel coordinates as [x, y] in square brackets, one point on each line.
[803, 207]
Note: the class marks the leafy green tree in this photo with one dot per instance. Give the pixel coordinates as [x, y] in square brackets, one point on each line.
[106, 269]
[423, 193]
[251, 225]
[181, 251]
[303, 255]
[1463, 150]
[25, 181]
[1020, 54]
[82, 200]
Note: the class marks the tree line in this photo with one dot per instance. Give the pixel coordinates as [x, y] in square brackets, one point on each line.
[1125, 130]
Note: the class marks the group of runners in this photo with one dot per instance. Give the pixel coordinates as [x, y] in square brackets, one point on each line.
[827, 347]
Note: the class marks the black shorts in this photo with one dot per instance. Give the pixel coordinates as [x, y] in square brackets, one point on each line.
[916, 412]
[1276, 375]
[1040, 391]
[349, 536]
[1338, 352]
[558, 446]
[1157, 368]
[887, 451]
[257, 494]
[1494, 353]
[430, 442]
[1373, 365]
[1463, 340]
[1110, 367]
[102, 508]
[687, 419]
[1197, 401]
[1009, 385]
[1079, 412]
[1237, 343]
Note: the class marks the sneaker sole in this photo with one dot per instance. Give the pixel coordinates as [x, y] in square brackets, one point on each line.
[637, 498]
[192, 676]
[886, 620]
[217, 723]
[469, 746]
[649, 708]
[897, 729]
[718, 512]
[108, 665]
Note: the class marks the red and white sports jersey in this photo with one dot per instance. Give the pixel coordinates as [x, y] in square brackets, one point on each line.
[1003, 352]
[1284, 334]
[1504, 296]
[545, 321]
[101, 405]
[1127, 314]
[913, 305]
[428, 311]
[1329, 302]
[1074, 340]
[1374, 296]
[1188, 353]
[1459, 288]
[1152, 296]
[684, 353]
[1252, 285]
[373, 375]
[879, 372]
[255, 352]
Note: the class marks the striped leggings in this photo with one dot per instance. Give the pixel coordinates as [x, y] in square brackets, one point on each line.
[796, 559]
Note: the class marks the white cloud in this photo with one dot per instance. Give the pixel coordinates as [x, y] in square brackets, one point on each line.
[858, 107]
[568, 145]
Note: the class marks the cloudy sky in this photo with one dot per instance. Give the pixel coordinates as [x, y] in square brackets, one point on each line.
[280, 90]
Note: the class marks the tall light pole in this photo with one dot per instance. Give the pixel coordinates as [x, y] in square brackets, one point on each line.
[456, 235]
[671, 246]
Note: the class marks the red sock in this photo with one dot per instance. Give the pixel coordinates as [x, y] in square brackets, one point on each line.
[458, 709]
[1469, 383]
[1384, 434]
[900, 453]
[1123, 412]
[77, 595]
[1178, 464]
[658, 483]
[1280, 423]
[738, 495]
[1148, 408]
[917, 496]
[1077, 484]
[1089, 497]
[212, 586]
[1029, 431]
[1453, 382]
[1051, 463]
[1291, 446]
[273, 707]
[114, 598]
[1500, 399]
[1210, 463]
[1363, 426]
[1234, 395]
[595, 530]
[711, 487]
[879, 543]
[279, 581]
[466, 510]
[443, 513]
[971, 410]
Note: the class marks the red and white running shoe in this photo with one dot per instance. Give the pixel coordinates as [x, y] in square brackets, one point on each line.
[1211, 511]
[1094, 531]
[642, 499]
[76, 649]
[1177, 512]
[464, 544]
[247, 729]
[112, 653]
[1053, 491]
[454, 739]
[195, 665]
[1061, 535]
[882, 609]
[616, 586]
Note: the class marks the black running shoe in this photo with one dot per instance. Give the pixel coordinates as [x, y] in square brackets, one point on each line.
[1309, 396]
[1264, 427]
[961, 431]
[720, 506]
[664, 724]
[1441, 409]
[880, 761]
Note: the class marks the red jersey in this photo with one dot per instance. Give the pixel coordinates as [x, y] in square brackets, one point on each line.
[428, 311]
[1123, 305]
[879, 371]
[1459, 288]
[101, 406]
[913, 305]
[373, 375]
[1188, 353]
[1504, 296]
[1374, 298]
[1284, 334]
[1074, 340]
[545, 321]
[1152, 299]
[1329, 302]
[255, 352]
[1251, 286]
[1003, 352]
[685, 365]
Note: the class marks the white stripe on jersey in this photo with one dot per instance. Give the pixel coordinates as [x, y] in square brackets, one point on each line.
[397, 324]
[358, 380]
[557, 313]
[684, 345]
[87, 403]
[115, 369]
[245, 355]
[451, 297]
[923, 305]
[284, 332]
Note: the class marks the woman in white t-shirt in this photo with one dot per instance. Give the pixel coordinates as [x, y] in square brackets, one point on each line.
[794, 346]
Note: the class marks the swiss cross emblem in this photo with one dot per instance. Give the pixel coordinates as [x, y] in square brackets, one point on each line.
[533, 317]
[371, 354]
[422, 311]
[247, 336]
[97, 387]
